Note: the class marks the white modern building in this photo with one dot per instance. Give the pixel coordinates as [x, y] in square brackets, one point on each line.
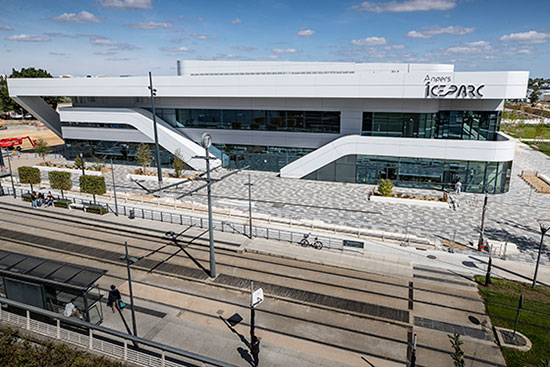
[419, 125]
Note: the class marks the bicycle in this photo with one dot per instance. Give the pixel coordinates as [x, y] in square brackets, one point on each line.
[316, 244]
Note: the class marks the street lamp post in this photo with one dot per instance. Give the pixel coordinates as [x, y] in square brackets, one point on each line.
[544, 227]
[82, 163]
[157, 153]
[206, 142]
[249, 207]
[482, 228]
[130, 261]
[114, 186]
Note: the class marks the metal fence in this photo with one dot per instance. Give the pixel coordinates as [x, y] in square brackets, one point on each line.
[399, 234]
[99, 339]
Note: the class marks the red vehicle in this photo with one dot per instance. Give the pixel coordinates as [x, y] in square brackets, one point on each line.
[11, 143]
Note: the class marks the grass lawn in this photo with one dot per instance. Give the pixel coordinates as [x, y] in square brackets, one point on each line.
[536, 326]
[543, 147]
[526, 131]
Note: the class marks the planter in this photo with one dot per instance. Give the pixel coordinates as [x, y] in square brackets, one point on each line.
[75, 171]
[153, 178]
[62, 203]
[426, 203]
[96, 209]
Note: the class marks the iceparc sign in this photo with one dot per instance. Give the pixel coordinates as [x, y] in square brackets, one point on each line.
[440, 86]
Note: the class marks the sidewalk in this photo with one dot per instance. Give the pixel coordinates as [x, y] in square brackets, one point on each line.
[378, 257]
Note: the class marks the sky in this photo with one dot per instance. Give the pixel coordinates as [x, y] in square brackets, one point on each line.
[132, 37]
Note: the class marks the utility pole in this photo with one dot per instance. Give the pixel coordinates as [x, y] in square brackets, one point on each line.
[249, 207]
[114, 187]
[252, 313]
[544, 227]
[489, 265]
[153, 94]
[130, 261]
[482, 228]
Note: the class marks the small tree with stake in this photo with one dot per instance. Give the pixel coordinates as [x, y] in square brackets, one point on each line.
[60, 180]
[42, 148]
[29, 175]
[94, 185]
[143, 156]
[178, 164]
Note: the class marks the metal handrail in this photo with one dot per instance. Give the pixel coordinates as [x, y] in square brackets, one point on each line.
[111, 332]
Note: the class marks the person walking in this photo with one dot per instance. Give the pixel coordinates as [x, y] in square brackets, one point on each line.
[114, 298]
[255, 349]
[458, 186]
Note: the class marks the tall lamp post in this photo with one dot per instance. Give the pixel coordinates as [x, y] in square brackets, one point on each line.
[157, 153]
[482, 228]
[130, 261]
[114, 186]
[82, 163]
[249, 184]
[206, 142]
[544, 227]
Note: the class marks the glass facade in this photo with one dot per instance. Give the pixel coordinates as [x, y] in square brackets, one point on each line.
[418, 173]
[259, 158]
[120, 152]
[465, 125]
[264, 120]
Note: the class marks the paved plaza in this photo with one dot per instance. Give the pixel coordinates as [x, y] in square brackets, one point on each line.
[510, 217]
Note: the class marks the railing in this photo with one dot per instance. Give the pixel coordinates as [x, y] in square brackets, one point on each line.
[112, 343]
[400, 234]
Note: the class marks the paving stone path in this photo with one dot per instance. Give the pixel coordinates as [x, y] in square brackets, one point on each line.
[510, 217]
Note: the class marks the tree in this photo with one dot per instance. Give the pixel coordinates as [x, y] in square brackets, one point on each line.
[534, 97]
[539, 130]
[177, 163]
[60, 180]
[78, 162]
[42, 148]
[143, 156]
[94, 185]
[9, 104]
[29, 175]
[385, 187]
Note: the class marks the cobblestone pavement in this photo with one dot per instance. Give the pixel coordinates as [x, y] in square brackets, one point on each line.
[510, 217]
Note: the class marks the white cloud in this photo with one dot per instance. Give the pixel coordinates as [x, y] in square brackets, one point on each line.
[428, 32]
[104, 41]
[395, 47]
[199, 36]
[28, 38]
[150, 25]
[273, 57]
[284, 51]
[126, 4]
[369, 41]
[5, 28]
[236, 21]
[176, 50]
[59, 34]
[468, 48]
[244, 48]
[82, 17]
[105, 52]
[395, 6]
[524, 51]
[525, 37]
[306, 33]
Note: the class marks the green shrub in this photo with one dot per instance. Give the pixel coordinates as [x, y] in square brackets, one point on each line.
[96, 209]
[27, 198]
[385, 187]
[94, 185]
[29, 175]
[60, 180]
[62, 203]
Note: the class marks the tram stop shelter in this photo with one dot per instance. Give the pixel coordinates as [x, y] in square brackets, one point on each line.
[51, 285]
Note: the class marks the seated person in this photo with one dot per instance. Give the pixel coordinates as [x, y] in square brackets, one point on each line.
[49, 199]
[40, 199]
[34, 199]
[71, 310]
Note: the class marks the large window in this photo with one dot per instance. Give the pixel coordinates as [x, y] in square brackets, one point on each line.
[418, 172]
[259, 158]
[466, 125]
[294, 121]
